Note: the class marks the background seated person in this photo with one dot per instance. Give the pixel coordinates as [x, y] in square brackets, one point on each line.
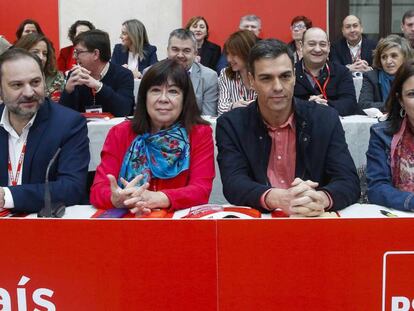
[28, 26]
[134, 52]
[4, 44]
[182, 46]
[164, 156]
[298, 25]
[234, 85]
[276, 152]
[32, 128]
[41, 46]
[389, 55]
[321, 81]
[66, 59]
[249, 22]
[354, 50]
[96, 83]
[407, 26]
[208, 53]
[390, 156]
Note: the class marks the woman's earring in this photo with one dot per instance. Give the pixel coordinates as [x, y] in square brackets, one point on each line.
[402, 113]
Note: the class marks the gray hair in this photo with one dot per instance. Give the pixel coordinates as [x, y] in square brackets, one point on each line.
[251, 18]
[183, 34]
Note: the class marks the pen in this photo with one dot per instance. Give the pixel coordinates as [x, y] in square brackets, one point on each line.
[387, 214]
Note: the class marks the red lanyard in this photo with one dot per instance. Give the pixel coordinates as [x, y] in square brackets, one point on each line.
[322, 89]
[15, 179]
[94, 96]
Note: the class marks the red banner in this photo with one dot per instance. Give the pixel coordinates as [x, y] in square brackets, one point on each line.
[279, 264]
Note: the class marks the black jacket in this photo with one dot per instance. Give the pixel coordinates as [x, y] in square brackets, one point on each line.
[340, 89]
[322, 154]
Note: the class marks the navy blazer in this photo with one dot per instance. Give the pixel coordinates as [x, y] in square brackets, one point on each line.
[120, 56]
[54, 126]
[340, 89]
[371, 96]
[341, 54]
[210, 54]
[116, 95]
[322, 154]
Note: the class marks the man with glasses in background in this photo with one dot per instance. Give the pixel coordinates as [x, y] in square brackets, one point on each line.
[95, 84]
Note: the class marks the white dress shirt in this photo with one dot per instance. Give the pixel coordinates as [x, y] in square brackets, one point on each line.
[16, 144]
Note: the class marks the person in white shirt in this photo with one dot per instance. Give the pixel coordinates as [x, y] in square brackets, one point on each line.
[32, 130]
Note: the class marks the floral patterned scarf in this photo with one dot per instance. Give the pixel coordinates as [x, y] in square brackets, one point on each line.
[402, 158]
[163, 155]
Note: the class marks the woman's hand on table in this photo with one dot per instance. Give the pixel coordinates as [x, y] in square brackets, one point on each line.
[145, 201]
[119, 195]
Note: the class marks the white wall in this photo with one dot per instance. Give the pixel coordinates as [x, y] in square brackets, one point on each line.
[160, 17]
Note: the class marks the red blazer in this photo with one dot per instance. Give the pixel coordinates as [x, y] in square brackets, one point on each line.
[191, 187]
[65, 60]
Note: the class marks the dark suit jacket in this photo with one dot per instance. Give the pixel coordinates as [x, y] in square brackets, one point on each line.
[210, 54]
[340, 52]
[116, 95]
[54, 126]
[371, 96]
[322, 154]
[120, 56]
[340, 89]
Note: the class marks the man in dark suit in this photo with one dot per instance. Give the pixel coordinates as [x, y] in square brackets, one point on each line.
[321, 81]
[407, 26]
[354, 50]
[96, 84]
[32, 128]
[281, 152]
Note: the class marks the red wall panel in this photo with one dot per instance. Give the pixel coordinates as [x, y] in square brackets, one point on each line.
[223, 16]
[45, 12]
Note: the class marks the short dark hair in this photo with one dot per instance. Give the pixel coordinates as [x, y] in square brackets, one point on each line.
[392, 104]
[268, 48]
[96, 40]
[20, 29]
[158, 74]
[27, 42]
[302, 18]
[72, 29]
[15, 54]
[408, 14]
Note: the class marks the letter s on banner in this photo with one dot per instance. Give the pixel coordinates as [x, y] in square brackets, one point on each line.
[41, 302]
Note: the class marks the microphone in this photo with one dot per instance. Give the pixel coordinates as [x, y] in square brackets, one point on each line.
[55, 210]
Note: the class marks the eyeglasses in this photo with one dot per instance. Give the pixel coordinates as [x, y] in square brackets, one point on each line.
[76, 53]
[298, 27]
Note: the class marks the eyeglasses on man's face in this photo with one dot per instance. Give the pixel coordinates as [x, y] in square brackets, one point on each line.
[76, 53]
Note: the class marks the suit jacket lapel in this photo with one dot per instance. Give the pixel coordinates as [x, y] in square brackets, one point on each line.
[4, 153]
[302, 79]
[34, 139]
[346, 52]
[195, 77]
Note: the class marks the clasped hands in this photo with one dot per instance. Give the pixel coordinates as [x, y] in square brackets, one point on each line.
[81, 76]
[319, 99]
[359, 65]
[139, 200]
[301, 199]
